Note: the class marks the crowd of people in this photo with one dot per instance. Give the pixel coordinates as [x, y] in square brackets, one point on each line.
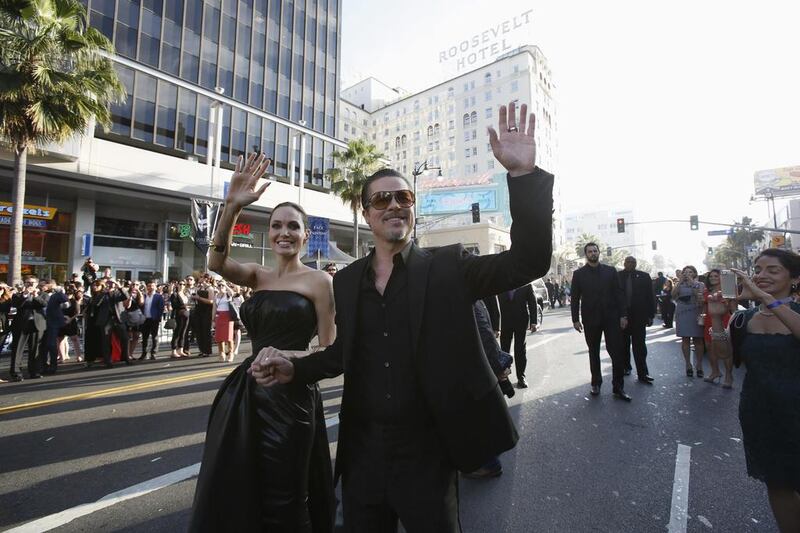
[98, 319]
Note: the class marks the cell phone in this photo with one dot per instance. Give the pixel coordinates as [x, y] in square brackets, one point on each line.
[727, 280]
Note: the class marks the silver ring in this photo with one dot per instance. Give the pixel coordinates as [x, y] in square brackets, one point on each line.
[513, 128]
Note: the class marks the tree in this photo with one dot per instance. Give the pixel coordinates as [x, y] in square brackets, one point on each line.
[347, 179]
[734, 251]
[53, 84]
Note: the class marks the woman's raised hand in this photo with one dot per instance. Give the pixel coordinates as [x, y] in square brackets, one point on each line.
[242, 190]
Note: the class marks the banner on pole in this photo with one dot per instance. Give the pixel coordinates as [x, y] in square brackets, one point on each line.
[318, 241]
[204, 221]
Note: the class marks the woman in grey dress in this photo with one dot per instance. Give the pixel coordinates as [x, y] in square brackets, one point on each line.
[688, 298]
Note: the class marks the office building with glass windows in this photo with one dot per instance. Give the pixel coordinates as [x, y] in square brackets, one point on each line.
[272, 67]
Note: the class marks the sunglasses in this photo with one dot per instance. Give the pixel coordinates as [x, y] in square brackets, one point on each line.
[381, 200]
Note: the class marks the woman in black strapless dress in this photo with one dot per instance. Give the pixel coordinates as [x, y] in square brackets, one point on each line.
[266, 463]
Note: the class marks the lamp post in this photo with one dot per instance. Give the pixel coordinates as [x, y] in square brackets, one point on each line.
[214, 138]
[418, 170]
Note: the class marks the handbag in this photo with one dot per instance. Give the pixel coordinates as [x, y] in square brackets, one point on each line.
[171, 323]
[134, 318]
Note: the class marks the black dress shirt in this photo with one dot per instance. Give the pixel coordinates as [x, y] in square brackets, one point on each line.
[384, 384]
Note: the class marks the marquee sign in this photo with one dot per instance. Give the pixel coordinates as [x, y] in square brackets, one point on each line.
[39, 212]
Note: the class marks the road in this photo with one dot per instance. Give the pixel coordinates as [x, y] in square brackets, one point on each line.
[125, 460]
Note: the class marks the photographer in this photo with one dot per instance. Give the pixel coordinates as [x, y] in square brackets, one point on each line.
[89, 270]
[74, 315]
[56, 320]
[501, 366]
[28, 328]
[102, 315]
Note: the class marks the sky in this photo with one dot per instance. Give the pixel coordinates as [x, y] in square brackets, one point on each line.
[665, 107]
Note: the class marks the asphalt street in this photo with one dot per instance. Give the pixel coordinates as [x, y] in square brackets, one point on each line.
[118, 449]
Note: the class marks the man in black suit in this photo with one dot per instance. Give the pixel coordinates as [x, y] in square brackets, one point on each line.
[598, 295]
[518, 315]
[28, 329]
[420, 400]
[153, 311]
[640, 304]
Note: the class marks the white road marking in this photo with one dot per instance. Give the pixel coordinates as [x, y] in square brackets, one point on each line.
[544, 341]
[65, 517]
[680, 490]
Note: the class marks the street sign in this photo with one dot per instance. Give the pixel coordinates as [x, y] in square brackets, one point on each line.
[715, 232]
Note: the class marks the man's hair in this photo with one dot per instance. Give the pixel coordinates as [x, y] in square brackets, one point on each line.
[660, 273]
[588, 244]
[382, 173]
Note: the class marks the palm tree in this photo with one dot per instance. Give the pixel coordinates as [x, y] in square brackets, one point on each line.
[53, 84]
[583, 240]
[358, 161]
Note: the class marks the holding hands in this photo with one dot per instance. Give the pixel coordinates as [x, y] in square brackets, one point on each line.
[242, 191]
[514, 146]
[271, 366]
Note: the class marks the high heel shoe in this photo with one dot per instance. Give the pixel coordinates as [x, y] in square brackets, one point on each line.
[713, 378]
[689, 372]
[728, 385]
[699, 372]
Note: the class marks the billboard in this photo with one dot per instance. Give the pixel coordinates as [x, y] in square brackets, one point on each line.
[459, 201]
[778, 181]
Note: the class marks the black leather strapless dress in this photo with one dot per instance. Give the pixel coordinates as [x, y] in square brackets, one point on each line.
[266, 462]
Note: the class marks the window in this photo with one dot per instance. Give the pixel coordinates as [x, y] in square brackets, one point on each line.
[436, 129]
[474, 134]
[450, 92]
[430, 131]
[386, 145]
[514, 86]
[487, 96]
[473, 117]
[430, 147]
[466, 119]
[466, 152]
[347, 128]
[397, 142]
[416, 135]
[466, 135]
[487, 78]
[416, 150]
[490, 164]
[403, 140]
[436, 145]
[451, 141]
[488, 112]
[489, 147]
[451, 124]
[474, 150]
[404, 154]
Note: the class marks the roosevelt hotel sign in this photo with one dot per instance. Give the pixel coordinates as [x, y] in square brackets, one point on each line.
[486, 45]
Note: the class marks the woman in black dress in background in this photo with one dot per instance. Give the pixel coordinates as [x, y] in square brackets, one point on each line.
[266, 463]
[767, 339]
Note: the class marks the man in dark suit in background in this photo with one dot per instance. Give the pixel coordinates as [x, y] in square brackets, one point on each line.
[640, 304]
[518, 315]
[420, 400]
[153, 312]
[28, 329]
[54, 312]
[597, 294]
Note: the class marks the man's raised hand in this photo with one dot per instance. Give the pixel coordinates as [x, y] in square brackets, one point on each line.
[242, 190]
[271, 366]
[514, 146]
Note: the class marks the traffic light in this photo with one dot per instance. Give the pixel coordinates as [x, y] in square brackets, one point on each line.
[710, 251]
[476, 213]
[655, 247]
[694, 224]
[608, 252]
[620, 225]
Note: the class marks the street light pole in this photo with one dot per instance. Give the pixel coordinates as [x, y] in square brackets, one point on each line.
[418, 170]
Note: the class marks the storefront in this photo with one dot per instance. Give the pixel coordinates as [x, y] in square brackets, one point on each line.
[46, 241]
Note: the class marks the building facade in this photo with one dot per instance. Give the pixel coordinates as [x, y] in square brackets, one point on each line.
[602, 223]
[446, 126]
[272, 67]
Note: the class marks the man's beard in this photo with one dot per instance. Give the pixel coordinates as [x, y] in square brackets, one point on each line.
[399, 235]
[593, 260]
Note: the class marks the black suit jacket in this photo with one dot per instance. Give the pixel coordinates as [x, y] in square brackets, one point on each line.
[27, 308]
[643, 301]
[494, 311]
[458, 385]
[597, 292]
[519, 311]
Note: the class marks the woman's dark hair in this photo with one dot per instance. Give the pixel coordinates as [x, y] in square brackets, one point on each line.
[708, 277]
[294, 206]
[788, 260]
[382, 173]
[690, 267]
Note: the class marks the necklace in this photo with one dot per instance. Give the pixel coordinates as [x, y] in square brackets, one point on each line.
[764, 313]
